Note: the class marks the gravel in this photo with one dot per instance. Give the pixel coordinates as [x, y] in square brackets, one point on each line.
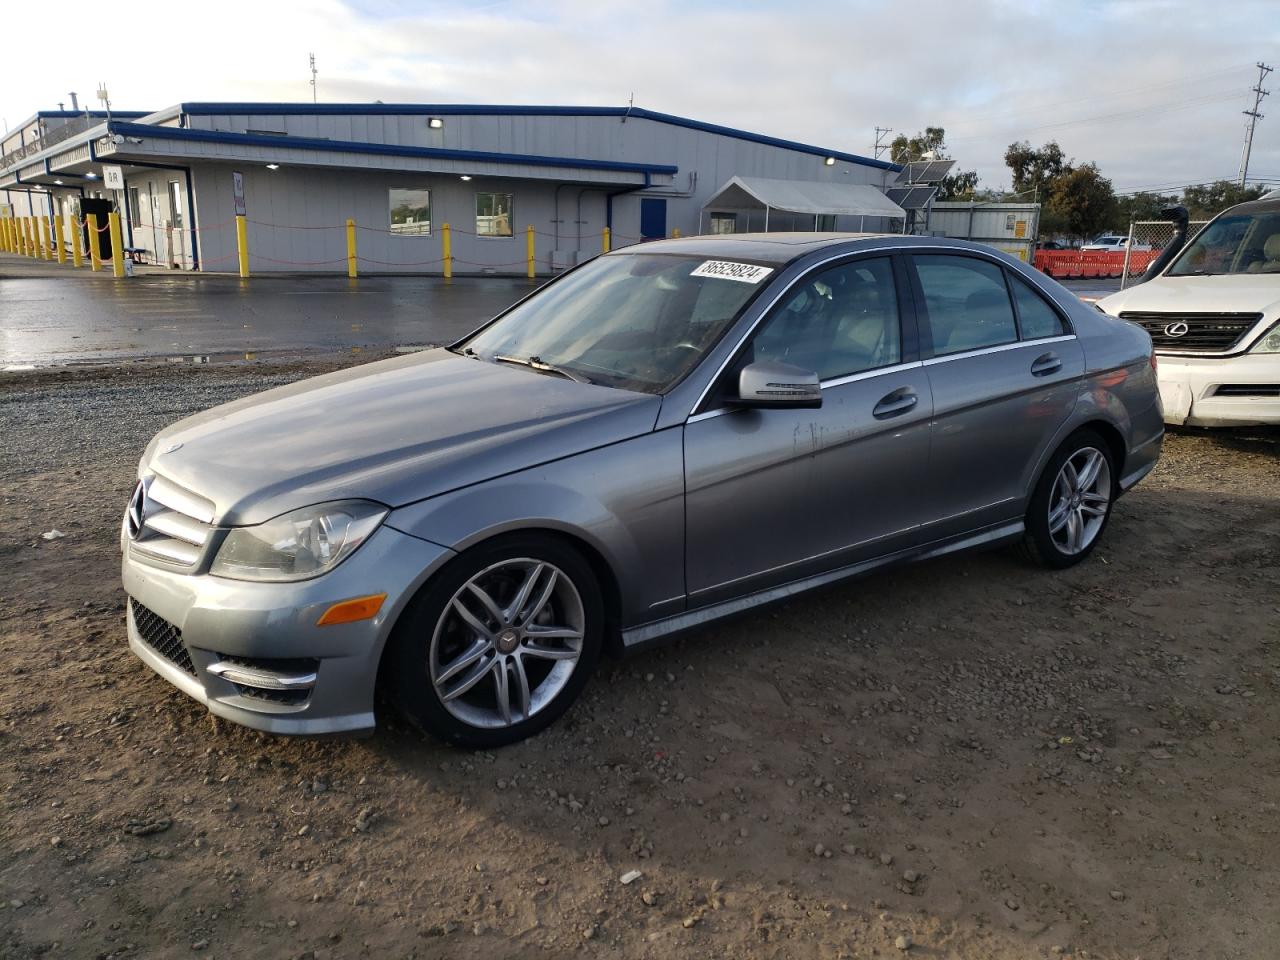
[1012, 736]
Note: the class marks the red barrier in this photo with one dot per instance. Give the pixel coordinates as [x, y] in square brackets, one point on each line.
[1092, 263]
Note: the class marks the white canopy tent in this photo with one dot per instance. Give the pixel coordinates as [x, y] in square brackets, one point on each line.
[810, 197]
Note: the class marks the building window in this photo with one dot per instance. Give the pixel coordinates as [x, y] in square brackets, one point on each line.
[724, 222]
[175, 204]
[825, 223]
[410, 212]
[493, 215]
[135, 208]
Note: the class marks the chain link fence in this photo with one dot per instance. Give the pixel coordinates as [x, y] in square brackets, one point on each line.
[1147, 239]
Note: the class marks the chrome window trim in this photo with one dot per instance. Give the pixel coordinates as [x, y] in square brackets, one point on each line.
[903, 248]
[999, 348]
[833, 382]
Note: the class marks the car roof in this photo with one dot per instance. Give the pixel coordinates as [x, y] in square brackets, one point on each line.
[783, 248]
[1266, 204]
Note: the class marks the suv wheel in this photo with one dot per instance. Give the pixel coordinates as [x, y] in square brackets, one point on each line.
[499, 643]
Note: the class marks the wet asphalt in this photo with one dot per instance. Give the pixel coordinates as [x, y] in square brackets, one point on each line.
[49, 317]
[51, 314]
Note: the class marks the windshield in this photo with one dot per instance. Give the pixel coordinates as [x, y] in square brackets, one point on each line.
[636, 321]
[1247, 243]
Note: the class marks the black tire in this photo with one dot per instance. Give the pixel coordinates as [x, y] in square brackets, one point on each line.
[406, 673]
[1039, 544]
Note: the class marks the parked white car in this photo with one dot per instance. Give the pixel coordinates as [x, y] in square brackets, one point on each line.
[1113, 243]
[1214, 316]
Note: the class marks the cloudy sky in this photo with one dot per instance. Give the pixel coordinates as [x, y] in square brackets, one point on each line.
[1152, 90]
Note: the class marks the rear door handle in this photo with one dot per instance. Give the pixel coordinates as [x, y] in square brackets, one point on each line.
[1046, 364]
[900, 401]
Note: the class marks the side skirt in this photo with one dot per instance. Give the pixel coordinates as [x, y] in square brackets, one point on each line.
[650, 634]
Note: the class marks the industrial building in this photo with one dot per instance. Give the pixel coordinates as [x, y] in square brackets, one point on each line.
[297, 173]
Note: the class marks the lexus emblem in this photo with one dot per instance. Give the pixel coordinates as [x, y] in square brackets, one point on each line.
[1178, 328]
[134, 515]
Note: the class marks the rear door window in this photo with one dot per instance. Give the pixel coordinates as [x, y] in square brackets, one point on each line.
[1035, 317]
[967, 303]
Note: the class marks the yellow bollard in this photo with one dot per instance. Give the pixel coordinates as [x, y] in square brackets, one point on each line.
[351, 248]
[77, 256]
[95, 248]
[242, 244]
[45, 243]
[57, 239]
[528, 247]
[117, 245]
[676, 233]
[608, 237]
[446, 251]
[4, 234]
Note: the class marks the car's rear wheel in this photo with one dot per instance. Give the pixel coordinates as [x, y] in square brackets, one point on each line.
[499, 643]
[1072, 502]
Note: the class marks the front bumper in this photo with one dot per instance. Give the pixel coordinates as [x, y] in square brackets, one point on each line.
[229, 630]
[1212, 392]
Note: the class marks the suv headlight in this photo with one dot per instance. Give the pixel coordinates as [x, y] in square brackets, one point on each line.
[298, 545]
[1270, 342]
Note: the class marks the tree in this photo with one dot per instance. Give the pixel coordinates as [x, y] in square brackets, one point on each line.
[960, 185]
[1207, 200]
[1035, 170]
[1083, 198]
[1142, 206]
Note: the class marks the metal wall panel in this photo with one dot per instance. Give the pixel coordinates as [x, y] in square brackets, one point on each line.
[339, 185]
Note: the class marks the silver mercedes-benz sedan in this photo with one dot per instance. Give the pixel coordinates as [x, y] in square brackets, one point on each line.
[661, 437]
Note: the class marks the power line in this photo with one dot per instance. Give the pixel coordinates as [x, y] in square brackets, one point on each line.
[1202, 100]
[1254, 116]
[1125, 94]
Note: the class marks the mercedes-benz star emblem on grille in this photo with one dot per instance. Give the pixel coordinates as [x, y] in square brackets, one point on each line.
[1176, 329]
[137, 505]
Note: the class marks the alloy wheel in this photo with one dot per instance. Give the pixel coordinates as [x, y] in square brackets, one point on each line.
[1079, 501]
[507, 643]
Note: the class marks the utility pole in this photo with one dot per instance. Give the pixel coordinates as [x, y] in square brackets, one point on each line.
[880, 147]
[1254, 116]
[313, 78]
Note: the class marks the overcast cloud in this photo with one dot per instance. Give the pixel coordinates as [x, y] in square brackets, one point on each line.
[1152, 90]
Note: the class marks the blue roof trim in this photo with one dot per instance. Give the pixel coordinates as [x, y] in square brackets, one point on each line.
[381, 149]
[466, 109]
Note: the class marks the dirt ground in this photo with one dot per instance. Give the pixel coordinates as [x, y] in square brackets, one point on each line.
[970, 758]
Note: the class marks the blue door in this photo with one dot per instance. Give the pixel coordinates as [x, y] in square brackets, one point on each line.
[653, 218]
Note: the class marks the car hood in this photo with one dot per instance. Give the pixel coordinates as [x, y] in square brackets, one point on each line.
[394, 431]
[1238, 293]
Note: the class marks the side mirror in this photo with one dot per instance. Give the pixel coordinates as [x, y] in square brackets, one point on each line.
[775, 385]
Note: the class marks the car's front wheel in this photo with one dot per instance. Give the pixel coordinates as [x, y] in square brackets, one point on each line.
[499, 643]
[1072, 502]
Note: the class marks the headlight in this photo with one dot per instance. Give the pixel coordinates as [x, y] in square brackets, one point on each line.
[1270, 342]
[298, 545]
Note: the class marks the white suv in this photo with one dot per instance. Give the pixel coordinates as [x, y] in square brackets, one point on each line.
[1214, 316]
[1114, 243]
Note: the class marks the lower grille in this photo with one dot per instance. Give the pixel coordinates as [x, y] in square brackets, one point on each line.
[1248, 390]
[1194, 332]
[161, 636]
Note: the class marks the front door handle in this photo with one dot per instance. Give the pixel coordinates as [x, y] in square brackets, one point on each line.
[1046, 364]
[900, 401]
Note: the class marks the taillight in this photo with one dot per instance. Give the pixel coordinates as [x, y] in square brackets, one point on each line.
[1154, 366]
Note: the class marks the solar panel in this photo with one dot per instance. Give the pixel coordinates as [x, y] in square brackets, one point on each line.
[911, 198]
[925, 171]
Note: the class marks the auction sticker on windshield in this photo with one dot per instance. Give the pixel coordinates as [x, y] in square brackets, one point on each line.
[728, 270]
